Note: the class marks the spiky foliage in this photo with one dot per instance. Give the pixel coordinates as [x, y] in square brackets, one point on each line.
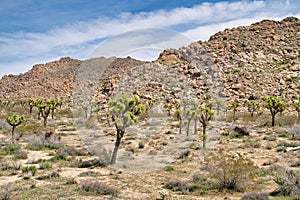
[14, 121]
[31, 104]
[252, 106]
[44, 109]
[124, 113]
[275, 106]
[205, 115]
[234, 106]
[55, 104]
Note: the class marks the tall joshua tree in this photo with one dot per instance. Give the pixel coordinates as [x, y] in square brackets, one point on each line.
[14, 121]
[45, 110]
[124, 112]
[206, 115]
[275, 106]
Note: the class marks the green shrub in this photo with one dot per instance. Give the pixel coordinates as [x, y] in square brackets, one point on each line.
[10, 149]
[27, 169]
[99, 188]
[231, 172]
[288, 182]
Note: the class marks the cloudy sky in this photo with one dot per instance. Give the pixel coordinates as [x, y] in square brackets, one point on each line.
[35, 31]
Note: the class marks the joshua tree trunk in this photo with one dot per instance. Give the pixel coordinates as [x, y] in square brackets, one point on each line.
[188, 128]
[204, 136]
[120, 135]
[13, 134]
[195, 126]
[180, 126]
[45, 121]
[273, 119]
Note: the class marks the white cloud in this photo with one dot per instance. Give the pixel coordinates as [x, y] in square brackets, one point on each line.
[77, 39]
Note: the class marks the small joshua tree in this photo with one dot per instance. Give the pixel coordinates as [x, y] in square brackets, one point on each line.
[124, 112]
[31, 104]
[14, 121]
[55, 104]
[274, 105]
[206, 115]
[252, 106]
[234, 107]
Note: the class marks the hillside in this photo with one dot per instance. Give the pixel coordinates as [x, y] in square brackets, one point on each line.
[261, 59]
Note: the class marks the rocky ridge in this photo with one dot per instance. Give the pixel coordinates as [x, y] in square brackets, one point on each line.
[260, 59]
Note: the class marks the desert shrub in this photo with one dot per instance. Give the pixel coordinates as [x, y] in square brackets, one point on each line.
[288, 181]
[71, 181]
[185, 154]
[295, 130]
[295, 164]
[10, 149]
[169, 169]
[231, 172]
[5, 192]
[199, 177]
[10, 165]
[177, 185]
[21, 154]
[27, 169]
[42, 142]
[255, 196]
[49, 176]
[91, 163]
[99, 188]
[45, 165]
[89, 173]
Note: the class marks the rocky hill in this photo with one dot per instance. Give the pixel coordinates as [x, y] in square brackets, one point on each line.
[261, 59]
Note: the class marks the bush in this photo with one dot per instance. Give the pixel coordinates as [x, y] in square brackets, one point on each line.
[45, 165]
[288, 181]
[99, 188]
[31, 169]
[10, 149]
[255, 196]
[10, 165]
[176, 185]
[231, 172]
[5, 193]
[49, 176]
[21, 154]
[41, 142]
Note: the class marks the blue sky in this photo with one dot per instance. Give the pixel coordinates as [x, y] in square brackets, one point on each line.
[34, 31]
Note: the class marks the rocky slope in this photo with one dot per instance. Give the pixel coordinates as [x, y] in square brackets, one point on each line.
[261, 59]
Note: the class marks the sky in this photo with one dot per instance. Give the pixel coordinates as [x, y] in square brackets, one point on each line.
[35, 31]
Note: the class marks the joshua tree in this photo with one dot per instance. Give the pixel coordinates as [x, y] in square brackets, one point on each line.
[234, 107]
[55, 103]
[275, 106]
[124, 112]
[45, 109]
[205, 116]
[180, 114]
[38, 103]
[252, 106]
[14, 121]
[31, 104]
